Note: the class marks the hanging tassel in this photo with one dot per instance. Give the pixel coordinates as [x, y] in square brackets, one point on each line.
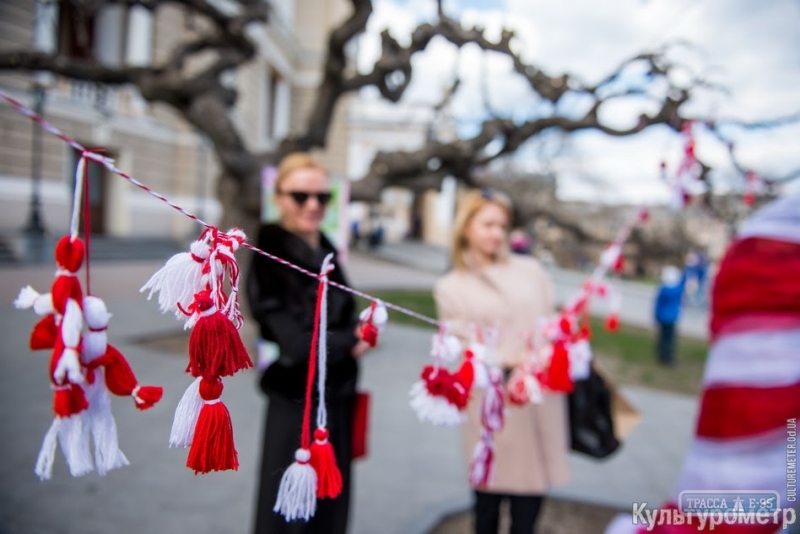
[297, 495]
[73, 438]
[466, 373]
[323, 457]
[373, 320]
[215, 347]
[212, 446]
[481, 468]
[323, 460]
[186, 415]
[557, 375]
[580, 360]
[47, 453]
[183, 275]
[103, 429]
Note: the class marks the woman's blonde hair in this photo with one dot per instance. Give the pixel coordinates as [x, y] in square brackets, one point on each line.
[469, 205]
[294, 162]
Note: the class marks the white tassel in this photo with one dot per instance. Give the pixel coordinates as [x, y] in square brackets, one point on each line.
[47, 454]
[186, 416]
[481, 470]
[433, 409]
[580, 360]
[297, 495]
[73, 436]
[178, 281]
[107, 453]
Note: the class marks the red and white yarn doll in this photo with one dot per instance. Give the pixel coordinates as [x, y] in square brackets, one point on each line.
[184, 275]
[202, 422]
[372, 322]
[481, 470]
[107, 371]
[440, 397]
[314, 473]
[66, 296]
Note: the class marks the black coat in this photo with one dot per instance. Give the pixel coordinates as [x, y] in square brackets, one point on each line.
[282, 301]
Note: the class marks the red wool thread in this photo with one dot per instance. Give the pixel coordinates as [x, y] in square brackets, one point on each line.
[212, 448]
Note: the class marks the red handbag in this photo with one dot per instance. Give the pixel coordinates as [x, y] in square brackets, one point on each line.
[360, 425]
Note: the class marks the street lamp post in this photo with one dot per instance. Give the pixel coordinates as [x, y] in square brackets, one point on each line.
[35, 225]
[34, 229]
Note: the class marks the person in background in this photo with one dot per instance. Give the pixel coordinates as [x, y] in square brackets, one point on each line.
[667, 312]
[488, 287]
[282, 301]
[702, 279]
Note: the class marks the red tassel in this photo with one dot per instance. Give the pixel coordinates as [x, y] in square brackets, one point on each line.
[212, 446]
[121, 381]
[369, 333]
[620, 265]
[69, 400]
[44, 333]
[466, 373]
[323, 460]
[558, 373]
[612, 322]
[215, 348]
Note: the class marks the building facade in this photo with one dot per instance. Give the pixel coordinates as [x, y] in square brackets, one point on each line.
[149, 141]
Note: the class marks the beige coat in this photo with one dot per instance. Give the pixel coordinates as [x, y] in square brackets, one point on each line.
[532, 448]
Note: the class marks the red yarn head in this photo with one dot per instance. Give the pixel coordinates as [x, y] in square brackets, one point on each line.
[69, 253]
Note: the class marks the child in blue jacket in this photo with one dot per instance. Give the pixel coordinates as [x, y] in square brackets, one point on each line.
[667, 312]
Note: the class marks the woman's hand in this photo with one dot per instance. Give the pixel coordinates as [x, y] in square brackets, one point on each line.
[360, 348]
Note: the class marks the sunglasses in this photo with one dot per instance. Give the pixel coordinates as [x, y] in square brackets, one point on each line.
[301, 197]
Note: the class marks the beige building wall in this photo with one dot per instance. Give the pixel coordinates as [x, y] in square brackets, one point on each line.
[150, 141]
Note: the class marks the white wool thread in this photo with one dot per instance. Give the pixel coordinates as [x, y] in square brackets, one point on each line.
[580, 360]
[72, 324]
[297, 496]
[179, 279]
[322, 352]
[26, 298]
[73, 437]
[77, 195]
[68, 366]
[433, 409]
[103, 427]
[47, 453]
[186, 415]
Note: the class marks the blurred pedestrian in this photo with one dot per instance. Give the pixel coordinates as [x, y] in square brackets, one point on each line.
[282, 301]
[488, 287]
[667, 312]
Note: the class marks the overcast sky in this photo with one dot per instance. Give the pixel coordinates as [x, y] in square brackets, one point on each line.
[750, 47]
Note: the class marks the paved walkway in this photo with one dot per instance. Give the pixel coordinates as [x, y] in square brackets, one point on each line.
[414, 474]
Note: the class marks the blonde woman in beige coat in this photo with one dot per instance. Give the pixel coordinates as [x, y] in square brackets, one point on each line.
[488, 288]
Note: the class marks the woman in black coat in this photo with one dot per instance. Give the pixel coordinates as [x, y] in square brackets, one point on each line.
[282, 301]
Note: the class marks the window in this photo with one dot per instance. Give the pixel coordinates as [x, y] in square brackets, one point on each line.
[76, 35]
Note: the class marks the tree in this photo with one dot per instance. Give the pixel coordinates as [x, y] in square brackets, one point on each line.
[203, 100]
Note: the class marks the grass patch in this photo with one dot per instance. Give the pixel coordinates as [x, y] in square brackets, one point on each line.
[628, 355]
